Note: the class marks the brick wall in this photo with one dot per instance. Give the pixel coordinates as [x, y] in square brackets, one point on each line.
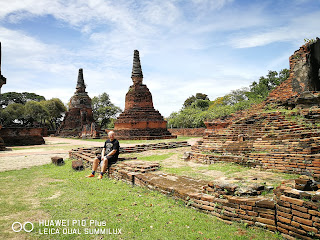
[268, 140]
[295, 214]
[187, 131]
[23, 136]
[302, 78]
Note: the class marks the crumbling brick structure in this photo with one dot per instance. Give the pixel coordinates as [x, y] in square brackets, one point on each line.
[140, 120]
[80, 111]
[291, 212]
[23, 136]
[303, 85]
[282, 133]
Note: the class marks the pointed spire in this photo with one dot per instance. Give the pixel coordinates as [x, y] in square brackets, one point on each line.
[136, 68]
[80, 83]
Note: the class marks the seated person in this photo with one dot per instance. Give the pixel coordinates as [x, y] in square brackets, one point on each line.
[109, 155]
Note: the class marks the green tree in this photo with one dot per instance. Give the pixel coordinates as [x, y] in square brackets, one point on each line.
[199, 96]
[188, 102]
[197, 109]
[266, 84]
[236, 96]
[55, 108]
[22, 98]
[201, 104]
[104, 110]
[12, 114]
[35, 112]
[186, 118]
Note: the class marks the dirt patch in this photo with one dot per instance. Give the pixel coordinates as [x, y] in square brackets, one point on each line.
[26, 161]
[28, 156]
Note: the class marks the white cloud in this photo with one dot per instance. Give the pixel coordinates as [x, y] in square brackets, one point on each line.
[161, 12]
[184, 46]
[297, 29]
[211, 4]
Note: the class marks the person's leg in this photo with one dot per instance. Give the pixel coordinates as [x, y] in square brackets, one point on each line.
[107, 162]
[104, 164]
[95, 165]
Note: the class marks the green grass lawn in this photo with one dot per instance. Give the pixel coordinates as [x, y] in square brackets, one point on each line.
[49, 192]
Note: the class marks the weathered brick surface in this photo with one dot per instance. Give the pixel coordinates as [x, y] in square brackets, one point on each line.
[57, 161]
[300, 213]
[267, 140]
[302, 77]
[77, 165]
[187, 131]
[271, 140]
[13, 136]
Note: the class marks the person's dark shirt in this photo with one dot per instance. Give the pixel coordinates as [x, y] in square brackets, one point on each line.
[112, 145]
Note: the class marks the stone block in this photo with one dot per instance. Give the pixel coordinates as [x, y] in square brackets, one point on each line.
[77, 165]
[284, 220]
[57, 160]
[302, 221]
[300, 214]
[266, 203]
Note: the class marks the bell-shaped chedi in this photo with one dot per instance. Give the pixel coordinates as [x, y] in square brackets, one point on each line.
[140, 120]
[80, 111]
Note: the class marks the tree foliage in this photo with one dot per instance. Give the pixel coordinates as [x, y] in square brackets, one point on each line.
[35, 113]
[104, 111]
[22, 98]
[268, 83]
[55, 109]
[30, 109]
[191, 100]
[12, 113]
[197, 109]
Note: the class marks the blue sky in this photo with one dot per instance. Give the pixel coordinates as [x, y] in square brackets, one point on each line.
[207, 46]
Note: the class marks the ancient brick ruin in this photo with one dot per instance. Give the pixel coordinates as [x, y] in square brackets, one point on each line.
[79, 115]
[282, 133]
[140, 120]
[196, 132]
[291, 212]
[303, 85]
[23, 136]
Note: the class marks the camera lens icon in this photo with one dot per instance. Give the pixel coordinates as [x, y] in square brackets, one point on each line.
[17, 226]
